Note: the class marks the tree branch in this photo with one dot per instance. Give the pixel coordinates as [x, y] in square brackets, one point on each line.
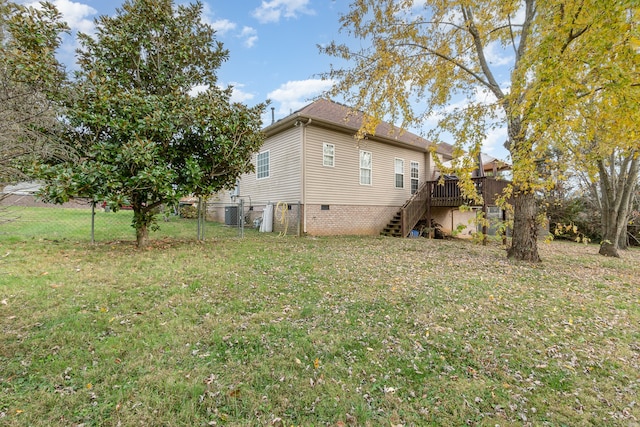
[492, 84]
[451, 60]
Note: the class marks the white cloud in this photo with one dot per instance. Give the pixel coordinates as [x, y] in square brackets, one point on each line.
[294, 95]
[77, 14]
[207, 14]
[74, 14]
[223, 26]
[520, 15]
[484, 96]
[272, 11]
[239, 95]
[497, 55]
[196, 90]
[250, 36]
[493, 143]
[79, 17]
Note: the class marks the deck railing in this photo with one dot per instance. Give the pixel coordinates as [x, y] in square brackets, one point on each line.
[447, 194]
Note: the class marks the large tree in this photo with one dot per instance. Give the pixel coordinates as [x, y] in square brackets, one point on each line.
[606, 151]
[31, 82]
[618, 180]
[416, 58]
[145, 136]
[595, 75]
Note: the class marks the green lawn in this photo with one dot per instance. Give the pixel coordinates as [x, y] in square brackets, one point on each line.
[75, 225]
[316, 331]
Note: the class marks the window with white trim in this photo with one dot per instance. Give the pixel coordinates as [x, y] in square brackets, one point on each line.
[262, 165]
[328, 154]
[415, 177]
[366, 167]
[399, 169]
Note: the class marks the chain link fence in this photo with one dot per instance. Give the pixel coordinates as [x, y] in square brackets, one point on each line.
[281, 217]
[24, 217]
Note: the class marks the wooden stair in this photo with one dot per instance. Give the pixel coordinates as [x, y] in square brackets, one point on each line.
[444, 193]
[394, 227]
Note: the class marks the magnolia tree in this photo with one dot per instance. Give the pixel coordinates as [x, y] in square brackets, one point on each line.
[417, 60]
[145, 137]
[31, 84]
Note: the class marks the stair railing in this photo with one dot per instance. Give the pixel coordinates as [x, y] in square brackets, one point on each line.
[414, 208]
[445, 194]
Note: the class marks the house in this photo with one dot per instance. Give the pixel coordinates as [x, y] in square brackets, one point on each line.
[339, 185]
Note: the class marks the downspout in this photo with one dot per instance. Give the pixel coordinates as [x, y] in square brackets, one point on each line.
[303, 189]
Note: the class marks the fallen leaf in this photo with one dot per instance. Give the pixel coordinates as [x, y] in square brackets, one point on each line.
[351, 419]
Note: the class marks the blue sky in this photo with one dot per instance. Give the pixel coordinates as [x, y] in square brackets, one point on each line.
[272, 45]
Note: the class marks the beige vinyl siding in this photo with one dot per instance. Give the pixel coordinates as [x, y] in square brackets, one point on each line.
[340, 184]
[283, 183]
[434, 173]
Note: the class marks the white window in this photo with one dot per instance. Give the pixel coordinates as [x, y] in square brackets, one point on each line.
[328, 154]
[399, 167]
[415, 176]
[262, 165]
[365, 167]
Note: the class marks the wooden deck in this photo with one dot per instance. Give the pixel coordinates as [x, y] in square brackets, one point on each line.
[446, 194]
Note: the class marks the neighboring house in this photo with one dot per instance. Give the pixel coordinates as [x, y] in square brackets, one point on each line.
[24, 194]
[341, 185]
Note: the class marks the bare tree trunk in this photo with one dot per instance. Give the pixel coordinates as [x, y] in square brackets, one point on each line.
[610, 235]
[617, 185]
[524, 243]
[141, 220]
[623, 241]
[142, 235]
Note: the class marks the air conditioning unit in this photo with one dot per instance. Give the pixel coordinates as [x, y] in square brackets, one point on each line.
[231, 215]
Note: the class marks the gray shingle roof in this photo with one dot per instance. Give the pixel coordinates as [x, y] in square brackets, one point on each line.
[330, 112]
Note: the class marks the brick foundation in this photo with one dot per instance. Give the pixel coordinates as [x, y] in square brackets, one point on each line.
[336, 220]
[347, 219]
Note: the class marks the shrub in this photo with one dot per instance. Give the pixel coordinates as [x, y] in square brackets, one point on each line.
[189, 212]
